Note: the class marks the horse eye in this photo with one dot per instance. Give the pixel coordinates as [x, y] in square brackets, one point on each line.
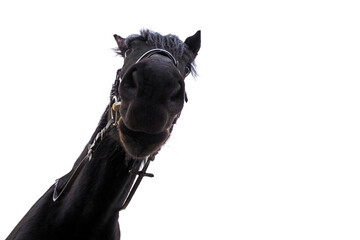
[127, 52]
[187, 71]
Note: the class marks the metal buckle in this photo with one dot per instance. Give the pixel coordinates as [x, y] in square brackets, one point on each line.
[114, 109]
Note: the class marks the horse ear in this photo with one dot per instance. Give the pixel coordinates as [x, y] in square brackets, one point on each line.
[120, 42]
[194, 42]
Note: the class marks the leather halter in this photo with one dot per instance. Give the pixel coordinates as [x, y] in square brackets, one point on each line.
[114, 107]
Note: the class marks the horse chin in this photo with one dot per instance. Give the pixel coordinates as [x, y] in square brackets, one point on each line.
[140, 145]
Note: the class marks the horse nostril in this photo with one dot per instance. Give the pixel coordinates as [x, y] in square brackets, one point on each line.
[176, 99]
[132, 82]
[176, 93]
[129, 86]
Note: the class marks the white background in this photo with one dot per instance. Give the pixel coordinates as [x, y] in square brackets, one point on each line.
[266, 148]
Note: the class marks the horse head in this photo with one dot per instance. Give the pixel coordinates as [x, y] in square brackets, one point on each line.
[152, 88]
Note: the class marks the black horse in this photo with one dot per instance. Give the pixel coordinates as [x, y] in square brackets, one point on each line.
[146, 100]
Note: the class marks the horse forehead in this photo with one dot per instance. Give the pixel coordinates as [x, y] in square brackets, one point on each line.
[176, 48]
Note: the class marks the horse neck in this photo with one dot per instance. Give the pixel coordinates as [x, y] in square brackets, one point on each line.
[89, 207]
[104, 182]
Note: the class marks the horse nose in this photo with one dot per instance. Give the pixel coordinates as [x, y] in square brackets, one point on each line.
[155, 80]
[153, 92]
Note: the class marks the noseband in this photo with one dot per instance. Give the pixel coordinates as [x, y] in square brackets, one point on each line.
[158, 51]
